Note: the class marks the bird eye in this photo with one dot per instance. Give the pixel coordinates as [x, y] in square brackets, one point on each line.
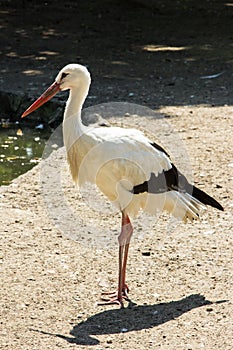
[64, 75]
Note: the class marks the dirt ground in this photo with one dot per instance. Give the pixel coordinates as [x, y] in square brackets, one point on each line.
[160, 54]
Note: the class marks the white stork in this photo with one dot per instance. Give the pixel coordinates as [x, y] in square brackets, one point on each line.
[131, 170]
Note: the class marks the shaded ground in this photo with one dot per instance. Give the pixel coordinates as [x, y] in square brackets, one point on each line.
[180, 276]
[151, 55]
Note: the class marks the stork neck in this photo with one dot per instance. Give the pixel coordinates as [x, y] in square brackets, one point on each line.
[75, 102]
[73, 127]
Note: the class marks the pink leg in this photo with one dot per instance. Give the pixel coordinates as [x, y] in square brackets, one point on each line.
[125, 288]
[124, 240]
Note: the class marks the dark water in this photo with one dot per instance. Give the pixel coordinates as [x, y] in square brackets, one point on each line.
[20, 150]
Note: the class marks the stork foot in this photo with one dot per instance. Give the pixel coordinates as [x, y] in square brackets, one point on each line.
[110, 298]
[112, 301]
[124, 292]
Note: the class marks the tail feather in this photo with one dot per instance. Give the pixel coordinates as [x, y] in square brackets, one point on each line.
[182, 206]
[205, 198]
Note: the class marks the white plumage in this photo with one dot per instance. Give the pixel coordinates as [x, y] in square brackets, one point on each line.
[110, 158]
[132, 171]
[118, 159]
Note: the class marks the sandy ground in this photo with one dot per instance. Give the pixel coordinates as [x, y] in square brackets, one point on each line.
[180, 276]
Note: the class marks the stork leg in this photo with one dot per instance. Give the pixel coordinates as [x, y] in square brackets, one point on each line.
[124, 241]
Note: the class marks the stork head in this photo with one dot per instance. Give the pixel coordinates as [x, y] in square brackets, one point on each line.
[72, 76]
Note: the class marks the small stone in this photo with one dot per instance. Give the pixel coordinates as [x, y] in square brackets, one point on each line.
[218, 186]
[123, 330]
[209, 232]
[209, 309]
[146, 253]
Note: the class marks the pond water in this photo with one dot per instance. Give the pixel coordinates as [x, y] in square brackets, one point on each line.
[20, 150]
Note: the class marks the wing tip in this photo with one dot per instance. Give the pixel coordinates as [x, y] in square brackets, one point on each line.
[206, 199]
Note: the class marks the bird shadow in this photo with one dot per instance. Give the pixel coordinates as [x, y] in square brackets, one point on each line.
[133, 318]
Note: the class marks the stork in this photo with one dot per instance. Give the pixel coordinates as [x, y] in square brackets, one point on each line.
[132, 171]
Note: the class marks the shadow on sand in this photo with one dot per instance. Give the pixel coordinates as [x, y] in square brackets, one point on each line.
[132, 318]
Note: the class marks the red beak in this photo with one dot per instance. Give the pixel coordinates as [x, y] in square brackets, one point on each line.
[46, 96]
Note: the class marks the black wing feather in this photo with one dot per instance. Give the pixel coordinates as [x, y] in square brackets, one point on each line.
[174, 180]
